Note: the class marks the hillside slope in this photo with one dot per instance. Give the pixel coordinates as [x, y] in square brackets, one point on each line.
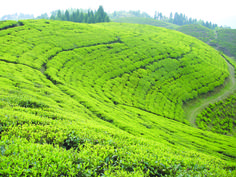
[222, 39]
[88, 100]
[146, 21]
[201, 32]
[225, 41]
[220, 113]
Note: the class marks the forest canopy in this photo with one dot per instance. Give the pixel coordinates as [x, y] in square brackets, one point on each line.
[78, 15]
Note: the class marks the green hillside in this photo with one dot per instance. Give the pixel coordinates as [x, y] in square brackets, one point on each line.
[146, 21]
[220, 116]
[106, 99]
[226, 41]
[203, 33]
[222, 39]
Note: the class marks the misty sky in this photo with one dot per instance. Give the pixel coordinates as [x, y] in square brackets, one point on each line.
[219, 12]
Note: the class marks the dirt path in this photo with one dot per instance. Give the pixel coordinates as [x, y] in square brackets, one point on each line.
[193, 114]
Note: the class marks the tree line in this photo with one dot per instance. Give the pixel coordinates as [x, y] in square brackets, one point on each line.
[182, 19]
[177, 18]
[131, 13]
[80, 16]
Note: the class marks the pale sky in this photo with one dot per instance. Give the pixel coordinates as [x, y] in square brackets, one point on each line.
[219, 12]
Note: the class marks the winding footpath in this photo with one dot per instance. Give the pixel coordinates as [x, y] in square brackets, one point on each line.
[206, 101]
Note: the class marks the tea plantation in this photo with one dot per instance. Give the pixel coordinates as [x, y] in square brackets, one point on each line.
[146, 21]
[220, 116]
[106, 100]
[221, 39]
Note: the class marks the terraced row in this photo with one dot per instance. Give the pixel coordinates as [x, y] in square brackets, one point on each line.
[90, 100]
[157, 79]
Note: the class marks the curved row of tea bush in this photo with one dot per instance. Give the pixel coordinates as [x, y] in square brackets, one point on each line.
[132, 71]
[79, 99]
[51, 142]
[219, 117]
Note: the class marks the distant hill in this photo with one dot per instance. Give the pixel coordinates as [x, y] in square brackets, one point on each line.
[201, 32]
[225, 41]
[106, 99]
[222, 39]
[146, 21]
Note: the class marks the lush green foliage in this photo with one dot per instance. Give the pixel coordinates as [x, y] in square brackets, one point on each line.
[182, 19]
[102, 99]
[9, 24]
[198, 31]
[219, 117]
[176, 19]
[80, 16]
[221, 39]
[146, 21]
[226, 41]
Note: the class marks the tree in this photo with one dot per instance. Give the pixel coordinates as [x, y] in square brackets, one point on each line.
[52, 17]
[114, 14]
[107, 19]
[161, 16]
[155, 16]
[67, 16]
[101, 16]
[171, 15]
[91, 18]
[176, 19]
[85, 19]
[81, 17]
[43, 16]
[77, 14]
[59, 15]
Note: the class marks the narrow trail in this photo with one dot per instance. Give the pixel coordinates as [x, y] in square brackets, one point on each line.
[206, 101]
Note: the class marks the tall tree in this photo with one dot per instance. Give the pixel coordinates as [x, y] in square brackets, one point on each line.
[85, 19]
[59, 15]
[77, 15]
[107, 19]
[100, 15]
[81, 17]
[67, 15]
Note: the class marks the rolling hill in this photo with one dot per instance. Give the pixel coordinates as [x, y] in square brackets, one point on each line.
[145, 21]
[221, 39]
[106, 99]
[201, 32]
[219, 115]
[225, 41]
